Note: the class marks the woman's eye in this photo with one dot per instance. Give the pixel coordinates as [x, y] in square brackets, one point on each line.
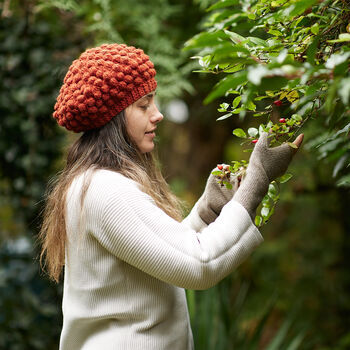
[144, 107]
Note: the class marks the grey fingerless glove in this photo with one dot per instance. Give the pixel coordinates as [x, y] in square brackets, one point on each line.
[265, 165]
[214, 197]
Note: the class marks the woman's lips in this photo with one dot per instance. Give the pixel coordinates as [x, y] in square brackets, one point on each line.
[151, 133]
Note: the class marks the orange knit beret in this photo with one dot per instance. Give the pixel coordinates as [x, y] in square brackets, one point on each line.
[101, 83]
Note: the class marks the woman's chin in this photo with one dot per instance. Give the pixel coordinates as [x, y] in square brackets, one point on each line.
[147, 148]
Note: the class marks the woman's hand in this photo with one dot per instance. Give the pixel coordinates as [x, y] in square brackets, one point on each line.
[274, 161]
[265, 165]
[216, 195]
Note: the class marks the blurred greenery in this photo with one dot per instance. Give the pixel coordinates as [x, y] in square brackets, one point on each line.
[34, 52]
[292, 293]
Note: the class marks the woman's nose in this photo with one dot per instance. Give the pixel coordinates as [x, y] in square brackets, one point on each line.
[157, 116]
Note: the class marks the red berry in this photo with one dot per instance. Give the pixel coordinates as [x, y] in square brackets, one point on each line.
[282, 120]
[220, 167]
[277, 103]
[255, 141]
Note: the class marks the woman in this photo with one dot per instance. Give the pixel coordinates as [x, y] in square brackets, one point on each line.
[113, 224]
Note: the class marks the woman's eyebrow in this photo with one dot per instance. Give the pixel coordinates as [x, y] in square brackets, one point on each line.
[149, 96]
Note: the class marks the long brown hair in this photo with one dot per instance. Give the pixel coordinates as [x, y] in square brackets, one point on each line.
[108, 147]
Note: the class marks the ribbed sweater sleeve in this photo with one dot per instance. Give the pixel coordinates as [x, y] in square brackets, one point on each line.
[194, 221]
[128, 224]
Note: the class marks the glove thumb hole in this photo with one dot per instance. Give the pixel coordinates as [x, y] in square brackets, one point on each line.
[264, 140]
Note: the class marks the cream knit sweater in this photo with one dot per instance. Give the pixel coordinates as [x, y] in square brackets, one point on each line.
[127, 263]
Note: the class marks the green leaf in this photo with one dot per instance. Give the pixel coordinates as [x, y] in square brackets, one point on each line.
[312, 50]
[239, 133]
[228, 185]
[295, 343]
[251, 16]
[226, 49]
[250, 105]
[334, 136]
[258, 220]
[278, 339]
[272, 83]
[331, 95]
[226, 84]
[238, 110]
[265, 211]
[234, 69]
[261, 98]
[252, 132]
[223, 107]
[236, 101]
[204, 61]
[344, 90]
[284, 178]
[236, 38]
[315, 29]
[344, 181]
[341, 163]
[344, 37]
[225, 116]
[257, 41]
[341, 68]
[221, 4]
[256, 73]
[62, 5]
[282, 56]
[272, 192]
[337, 59]
[298, 7]
[296, 117]
[275, 32]
[206, 39]
[275, 4]
[329, 147]
[292, 96]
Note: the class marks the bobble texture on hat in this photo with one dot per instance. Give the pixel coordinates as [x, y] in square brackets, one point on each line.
[101, 83]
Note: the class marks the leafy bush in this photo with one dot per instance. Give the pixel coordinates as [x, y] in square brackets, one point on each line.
[285, 63]
[34, 53]
[30, 308]
[283, 67]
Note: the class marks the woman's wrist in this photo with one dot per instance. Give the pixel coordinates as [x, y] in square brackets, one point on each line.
[252, 191]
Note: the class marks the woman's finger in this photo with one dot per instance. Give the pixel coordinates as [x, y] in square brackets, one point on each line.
[298, 141]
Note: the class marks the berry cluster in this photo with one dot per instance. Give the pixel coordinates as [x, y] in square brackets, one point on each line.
[285, 128]
[227, 173]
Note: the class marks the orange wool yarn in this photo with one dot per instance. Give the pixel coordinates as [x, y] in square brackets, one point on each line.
[101, 83]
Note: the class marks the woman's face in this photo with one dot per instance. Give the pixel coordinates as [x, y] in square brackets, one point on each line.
[142, 118]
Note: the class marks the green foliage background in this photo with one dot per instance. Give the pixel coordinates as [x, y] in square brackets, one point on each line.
[293, 292]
